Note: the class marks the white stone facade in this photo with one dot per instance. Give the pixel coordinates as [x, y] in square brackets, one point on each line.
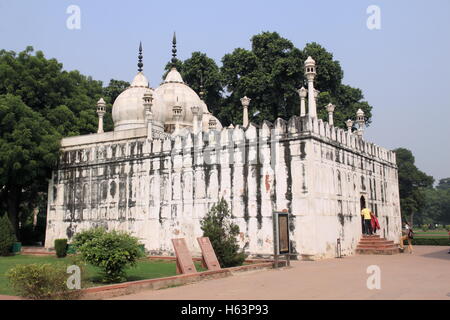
[160, 189]
[169, 160]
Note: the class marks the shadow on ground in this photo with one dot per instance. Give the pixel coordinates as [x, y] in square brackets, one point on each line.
[440, 254]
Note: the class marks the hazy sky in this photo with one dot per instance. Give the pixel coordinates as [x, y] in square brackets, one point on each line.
[403, 68]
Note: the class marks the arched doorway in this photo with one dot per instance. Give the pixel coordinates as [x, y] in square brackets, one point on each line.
[362, 202]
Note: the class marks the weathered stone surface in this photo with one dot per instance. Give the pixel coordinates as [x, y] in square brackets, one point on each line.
[160, 189]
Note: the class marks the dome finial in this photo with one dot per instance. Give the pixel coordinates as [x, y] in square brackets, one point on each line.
[140, 64]
[201, 93]
[174, 50]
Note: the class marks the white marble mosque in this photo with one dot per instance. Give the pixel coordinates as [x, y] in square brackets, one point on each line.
[169, 160]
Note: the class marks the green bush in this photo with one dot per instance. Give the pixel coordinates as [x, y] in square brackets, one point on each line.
[7, 237]
[447, 227]
[41, 281]
[425, 227]
[222, 232]
[61, 248]
[431, 242]
[113, 252]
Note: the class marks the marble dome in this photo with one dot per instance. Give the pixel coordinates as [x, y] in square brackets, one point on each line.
[174, 91]
[128, 109]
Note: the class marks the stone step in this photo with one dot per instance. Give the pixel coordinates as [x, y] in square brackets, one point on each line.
[388, 251]
[36, 251]
[380, 242]
[371, 237]
[375, 246]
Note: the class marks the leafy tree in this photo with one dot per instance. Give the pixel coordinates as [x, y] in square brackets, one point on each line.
[437, 206]
[43, 86]
[114, 88]
[54, 103]
[444, 184]
[113, 252]
[270, 74]
[28, 151]
[444, 214]
[222, 232]
[7, 237]
[412, 184]
[431, 209]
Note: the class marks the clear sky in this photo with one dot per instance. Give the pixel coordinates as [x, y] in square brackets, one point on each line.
[402, 68]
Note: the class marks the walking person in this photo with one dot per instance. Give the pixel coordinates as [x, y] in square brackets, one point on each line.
[407, 234]
[365, 213]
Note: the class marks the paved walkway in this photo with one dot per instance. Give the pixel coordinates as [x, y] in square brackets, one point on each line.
[422, 275]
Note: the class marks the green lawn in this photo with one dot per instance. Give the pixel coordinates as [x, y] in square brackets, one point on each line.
[432, 231]
[433, 234]
[146, 269]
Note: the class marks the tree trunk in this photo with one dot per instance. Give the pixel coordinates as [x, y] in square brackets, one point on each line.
[411, 219]
[13, 208]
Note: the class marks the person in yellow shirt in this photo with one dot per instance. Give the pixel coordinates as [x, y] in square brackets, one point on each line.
[367, 221]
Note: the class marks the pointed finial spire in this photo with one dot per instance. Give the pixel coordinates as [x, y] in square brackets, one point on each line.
[174, 50]
[140, 64]
[201, 93]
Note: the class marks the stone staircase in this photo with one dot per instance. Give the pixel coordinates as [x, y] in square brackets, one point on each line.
[376, 245]
[36, 251]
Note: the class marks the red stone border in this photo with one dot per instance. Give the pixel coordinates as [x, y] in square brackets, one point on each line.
[114, 290]
[4, 297]
[200, 259]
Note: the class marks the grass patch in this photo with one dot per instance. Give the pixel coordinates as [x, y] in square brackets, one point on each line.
[434, 241]
[145, 269]
[444, 232]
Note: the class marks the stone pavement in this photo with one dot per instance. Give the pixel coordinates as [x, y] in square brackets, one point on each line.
[425, 274]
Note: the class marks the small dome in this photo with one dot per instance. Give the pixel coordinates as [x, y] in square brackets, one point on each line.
[310, 61]
[174, 91]
[173, 76]
[128, 110]
[207, 118]
[139, 81]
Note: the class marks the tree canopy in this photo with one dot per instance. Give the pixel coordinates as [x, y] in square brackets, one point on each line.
[270, 74]
[39, 104]
[28, 151]
[412, 184]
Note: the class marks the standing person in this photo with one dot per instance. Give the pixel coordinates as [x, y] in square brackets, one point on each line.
[407, 234]
[367, 221]
[374, 222]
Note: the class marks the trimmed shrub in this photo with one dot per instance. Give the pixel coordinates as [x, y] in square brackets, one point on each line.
[113, 252]
[222, 232]
[431, 242]
[7, 237]
[61, 248]
[87, 235]
[425, 227]
[41, 281]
